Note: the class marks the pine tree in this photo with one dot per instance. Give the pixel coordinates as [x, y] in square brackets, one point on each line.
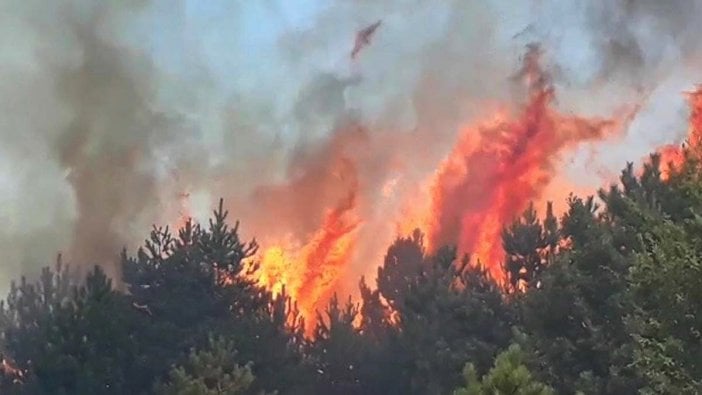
[665, 288]
[212, 371]
[403, 265]
[81, 341]
[659, 220]
[338, 350]
[376, 316]
[455, 313]
[574, 322]
[528, 245]
[201, 283]
[509, 376]
[383, 367]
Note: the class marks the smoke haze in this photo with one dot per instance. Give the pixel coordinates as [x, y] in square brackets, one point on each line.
[108, 112]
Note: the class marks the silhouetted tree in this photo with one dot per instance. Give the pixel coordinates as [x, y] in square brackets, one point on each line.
[402, 267]
[76, 342]
[198, 284]
[338, 350]
[616, 311]
[455, 313]
[528, 244]
[383, 368]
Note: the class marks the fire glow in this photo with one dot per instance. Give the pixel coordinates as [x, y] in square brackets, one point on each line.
[499, 166]
[672, 156]
[495, 169]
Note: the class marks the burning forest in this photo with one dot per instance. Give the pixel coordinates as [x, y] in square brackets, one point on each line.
[443, 203]
[497, 167]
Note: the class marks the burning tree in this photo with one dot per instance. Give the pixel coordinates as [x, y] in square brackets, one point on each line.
[181, 290]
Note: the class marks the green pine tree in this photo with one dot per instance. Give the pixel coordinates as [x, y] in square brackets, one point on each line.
[574, 322]
[528, 246]
[509, 376]
[212, 371]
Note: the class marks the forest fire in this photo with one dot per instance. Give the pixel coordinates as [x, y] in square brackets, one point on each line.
[352, 197]
[672, 156]
[498, 167]
[494, 170]
[310, 274]
[310, 267]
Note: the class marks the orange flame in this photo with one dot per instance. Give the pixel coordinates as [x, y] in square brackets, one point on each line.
[310, 275]
[672, 156]
[499, 166]
[309, 225]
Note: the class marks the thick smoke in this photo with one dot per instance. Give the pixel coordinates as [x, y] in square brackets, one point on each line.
[78, 117]
[110, 111]
[612, 52]
[642, 39]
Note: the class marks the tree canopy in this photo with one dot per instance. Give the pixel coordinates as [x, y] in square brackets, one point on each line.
[605, 299]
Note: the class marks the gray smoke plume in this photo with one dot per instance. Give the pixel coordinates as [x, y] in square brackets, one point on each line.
[614, 51]
[110, 110]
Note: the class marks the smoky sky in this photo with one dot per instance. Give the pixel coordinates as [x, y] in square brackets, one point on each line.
[108, 111]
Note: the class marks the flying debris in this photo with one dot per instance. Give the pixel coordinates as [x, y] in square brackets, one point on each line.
[363, 38]
[142, 307]
[529, 30]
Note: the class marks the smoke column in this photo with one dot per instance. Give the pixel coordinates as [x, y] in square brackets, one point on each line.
[115, 116]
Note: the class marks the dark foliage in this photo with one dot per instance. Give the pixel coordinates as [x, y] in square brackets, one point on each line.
[606, 300]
